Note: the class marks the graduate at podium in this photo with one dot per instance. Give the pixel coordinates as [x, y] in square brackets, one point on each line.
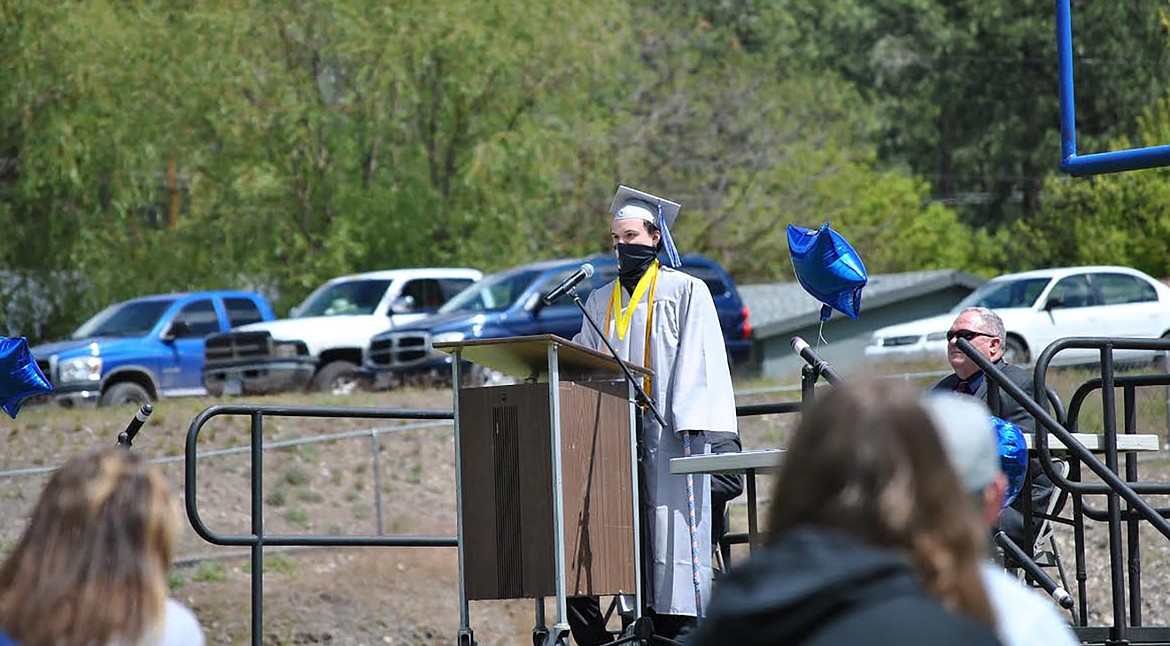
[663, 319]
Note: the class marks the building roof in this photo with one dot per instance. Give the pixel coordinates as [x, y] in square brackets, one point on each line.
[778, 308]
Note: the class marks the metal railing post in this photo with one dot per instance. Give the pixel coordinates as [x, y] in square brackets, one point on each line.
[376, 449]
[257, 528]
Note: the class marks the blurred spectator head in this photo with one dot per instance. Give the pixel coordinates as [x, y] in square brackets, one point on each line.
[965, 428]
[92, 565]
[866, 460]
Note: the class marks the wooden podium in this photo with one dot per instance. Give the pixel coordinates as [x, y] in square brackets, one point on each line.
[546, 475]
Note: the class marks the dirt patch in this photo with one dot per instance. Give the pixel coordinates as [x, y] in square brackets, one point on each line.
[373, 595]
[331, 486]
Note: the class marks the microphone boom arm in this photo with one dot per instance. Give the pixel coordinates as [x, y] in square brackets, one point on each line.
[814, 360]
[642, 396]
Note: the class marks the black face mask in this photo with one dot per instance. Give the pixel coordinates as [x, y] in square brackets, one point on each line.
[633, 261]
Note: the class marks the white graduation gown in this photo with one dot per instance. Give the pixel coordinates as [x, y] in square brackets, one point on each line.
[692, 389]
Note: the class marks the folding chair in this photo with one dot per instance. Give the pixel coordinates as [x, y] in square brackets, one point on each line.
[721, 547]
[1044, 550]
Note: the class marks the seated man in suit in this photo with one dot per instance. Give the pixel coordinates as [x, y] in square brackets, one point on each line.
[984, 330]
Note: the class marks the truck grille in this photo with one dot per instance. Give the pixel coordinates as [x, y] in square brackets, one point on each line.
[233, 346]
[47, 369]
[399, 350]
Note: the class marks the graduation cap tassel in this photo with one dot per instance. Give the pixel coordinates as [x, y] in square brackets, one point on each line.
[667, 240]
[693, 526]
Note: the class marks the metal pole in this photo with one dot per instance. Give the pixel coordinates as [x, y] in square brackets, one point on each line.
[466, 637]
[808, 384]
[1064, 57]
[257, 528]
[636, 490]
[1133, 539]
[376, 449]
[1079, 543]
[753, 530]
[1166, 369]
[1109, 418]
[538, 626]
[554, 404]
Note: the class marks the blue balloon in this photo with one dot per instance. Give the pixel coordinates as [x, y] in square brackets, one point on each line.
[1013, 456]
[20, 377]
[828, 268]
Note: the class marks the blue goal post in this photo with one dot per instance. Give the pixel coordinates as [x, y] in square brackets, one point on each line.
[1096, 163]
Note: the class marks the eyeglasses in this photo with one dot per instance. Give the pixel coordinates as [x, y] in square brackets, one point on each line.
[965, 334]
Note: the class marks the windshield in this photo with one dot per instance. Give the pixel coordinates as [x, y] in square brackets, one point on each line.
[1003, 294]
[348, 297]
[124, 319]
[492, 294]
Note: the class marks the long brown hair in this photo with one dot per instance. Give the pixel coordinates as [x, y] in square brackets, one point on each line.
[91, 567]
[866, 460]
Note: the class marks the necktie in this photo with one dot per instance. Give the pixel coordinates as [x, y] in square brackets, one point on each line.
[964, 388]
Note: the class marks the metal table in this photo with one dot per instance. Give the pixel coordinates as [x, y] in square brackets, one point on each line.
[748, 463]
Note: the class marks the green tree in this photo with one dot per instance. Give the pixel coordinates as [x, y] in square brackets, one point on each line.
[708, 122]
[1107, 219]
[241, 143]
[967, 90]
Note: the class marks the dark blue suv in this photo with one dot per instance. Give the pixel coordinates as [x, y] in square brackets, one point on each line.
[508, 303]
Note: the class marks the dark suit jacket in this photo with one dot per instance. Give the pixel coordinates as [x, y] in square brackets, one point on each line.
[1009, 409]
[725, 487]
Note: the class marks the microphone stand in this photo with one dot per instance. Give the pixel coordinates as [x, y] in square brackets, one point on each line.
[643, 627]
[1059, 594]
[643, 398]
[819, 366]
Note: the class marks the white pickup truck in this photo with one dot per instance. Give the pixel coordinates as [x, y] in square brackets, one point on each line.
[320, 346]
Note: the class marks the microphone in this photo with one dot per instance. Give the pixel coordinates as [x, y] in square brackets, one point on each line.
[126, 437]
[801, 347]
[581, 274]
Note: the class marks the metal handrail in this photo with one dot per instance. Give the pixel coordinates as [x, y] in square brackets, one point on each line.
[257, 539]
[1043, 417]
[1114, 488]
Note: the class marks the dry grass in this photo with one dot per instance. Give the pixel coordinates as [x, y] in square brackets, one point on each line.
[352, 596]
[398, 595]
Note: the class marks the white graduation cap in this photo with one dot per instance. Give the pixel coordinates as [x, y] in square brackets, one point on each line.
[630, 203]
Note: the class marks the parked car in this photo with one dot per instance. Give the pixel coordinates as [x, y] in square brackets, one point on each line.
[320, 346]
[146, 348]
[508, 303]
[1038, 307]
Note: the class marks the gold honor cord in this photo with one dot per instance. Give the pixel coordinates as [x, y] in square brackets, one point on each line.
[649, 281]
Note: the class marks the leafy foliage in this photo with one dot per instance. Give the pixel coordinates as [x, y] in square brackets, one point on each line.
[966, 90]
[148, 147]
[1119, 219]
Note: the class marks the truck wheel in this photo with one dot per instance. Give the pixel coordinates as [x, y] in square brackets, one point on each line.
[336, 377]
[126, 392]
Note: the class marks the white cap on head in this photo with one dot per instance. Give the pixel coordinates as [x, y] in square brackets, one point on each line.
[969, 439]
[630, 203]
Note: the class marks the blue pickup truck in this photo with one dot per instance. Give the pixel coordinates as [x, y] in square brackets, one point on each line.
[508, 303]
[144, 349]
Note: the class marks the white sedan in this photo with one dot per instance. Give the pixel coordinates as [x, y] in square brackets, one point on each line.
[1038, 307]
